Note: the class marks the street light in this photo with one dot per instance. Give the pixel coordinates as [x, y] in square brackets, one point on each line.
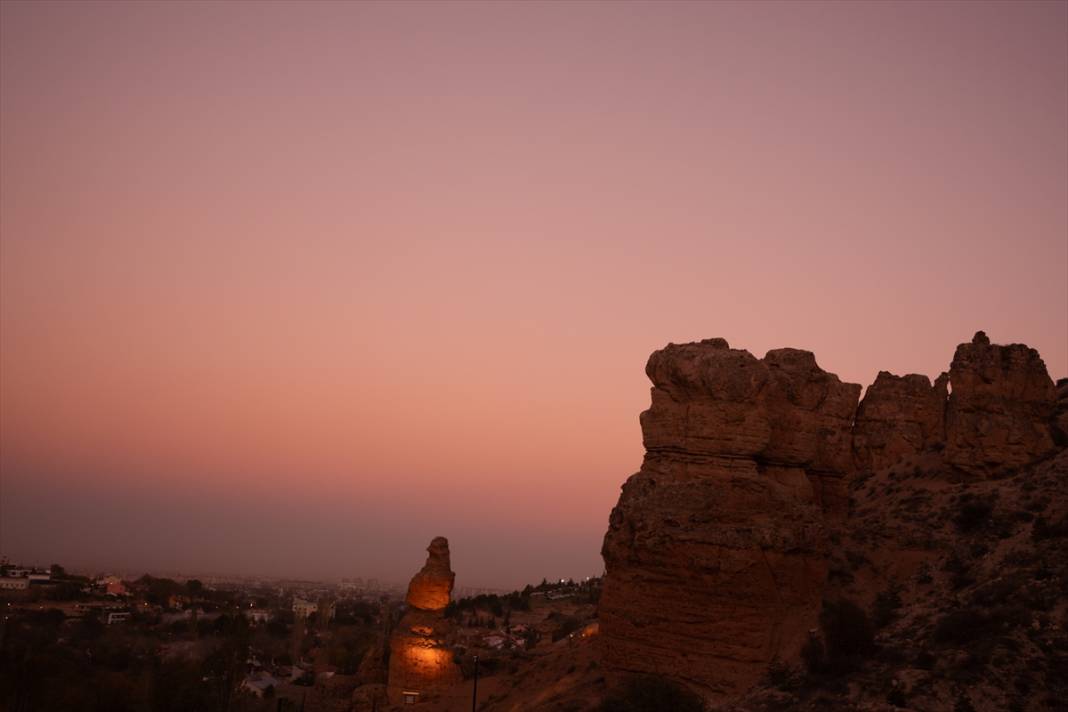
[474, 690]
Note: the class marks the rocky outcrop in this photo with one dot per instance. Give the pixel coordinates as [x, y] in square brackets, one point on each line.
[715, 554]
[431, 588]
[1000, 409]
[997, 418]
[720, 407]
[900, 416]
[1060, 414]
[420, 658]
[373, 669]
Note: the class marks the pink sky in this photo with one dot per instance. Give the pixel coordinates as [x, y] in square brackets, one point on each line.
[293, 288]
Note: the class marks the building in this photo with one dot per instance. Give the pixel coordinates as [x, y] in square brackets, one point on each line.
[303, 609]
[355, 584]
[117, 617]
[113, 586]
[327, 609]
[497, 642]
[257, 615]
[14, 584]
[258, 683]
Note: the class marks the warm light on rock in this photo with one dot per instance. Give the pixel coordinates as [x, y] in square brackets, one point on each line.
[421, 660]
[431, 588]
[430, 661]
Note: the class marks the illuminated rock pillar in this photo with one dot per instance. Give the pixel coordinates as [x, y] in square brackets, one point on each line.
[421, 661]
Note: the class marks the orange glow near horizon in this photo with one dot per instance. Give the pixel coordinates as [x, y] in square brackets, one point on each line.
[293, 288]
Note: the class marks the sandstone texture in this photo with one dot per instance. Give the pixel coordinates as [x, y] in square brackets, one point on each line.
[420, 658]
[899, 416]
[722, 408]
[1000, 409]
[431, 588]
[716, 552]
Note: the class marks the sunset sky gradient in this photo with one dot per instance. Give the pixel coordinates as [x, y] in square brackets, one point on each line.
[292, 288]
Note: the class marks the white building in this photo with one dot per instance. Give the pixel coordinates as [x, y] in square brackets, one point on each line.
[303, 609]
[258, 682]
[14, 584]
[257, 615]
[118, 617]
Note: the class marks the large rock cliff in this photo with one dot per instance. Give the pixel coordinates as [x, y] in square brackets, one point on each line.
[717, 552]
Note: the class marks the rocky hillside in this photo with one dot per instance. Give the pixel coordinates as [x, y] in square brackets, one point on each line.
[786, 546]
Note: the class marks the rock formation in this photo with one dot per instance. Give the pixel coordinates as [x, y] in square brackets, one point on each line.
[420, 658]
[1060, 414]
[899, 416]
[717, 552]
[723, 408]
[1000, 409]
[431, 588]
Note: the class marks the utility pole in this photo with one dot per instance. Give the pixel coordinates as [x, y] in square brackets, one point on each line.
[474, 690]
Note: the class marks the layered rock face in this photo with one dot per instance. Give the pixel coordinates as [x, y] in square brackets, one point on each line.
[1001, 407]
[716, 552]
[720, 407]
[420, 658]
[998, 416]
[900, 416]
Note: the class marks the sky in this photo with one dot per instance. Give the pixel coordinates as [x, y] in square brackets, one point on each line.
[291, 288]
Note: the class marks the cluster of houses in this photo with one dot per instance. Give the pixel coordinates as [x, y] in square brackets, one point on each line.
[115, 600]
[17, 578]
[107, 598]
[513, 637]
[565, 588]
[21, 578]
[325, 608]
[262, 680]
